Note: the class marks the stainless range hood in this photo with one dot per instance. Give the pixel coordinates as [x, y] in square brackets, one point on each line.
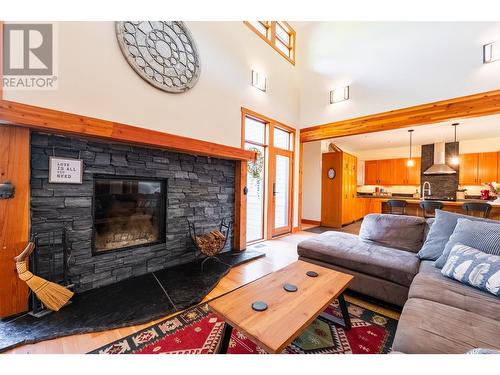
[439, 166]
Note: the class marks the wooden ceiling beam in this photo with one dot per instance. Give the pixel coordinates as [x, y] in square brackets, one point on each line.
[482, 104]
[53, 121]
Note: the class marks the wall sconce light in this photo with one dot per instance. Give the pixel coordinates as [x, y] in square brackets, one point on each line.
[259, 80]
[339, 95]
[491, 52]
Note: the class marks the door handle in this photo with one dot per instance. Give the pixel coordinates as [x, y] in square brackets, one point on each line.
[274, 189]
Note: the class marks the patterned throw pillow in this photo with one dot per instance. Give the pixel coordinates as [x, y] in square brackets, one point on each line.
[481, 235]
[473, 267]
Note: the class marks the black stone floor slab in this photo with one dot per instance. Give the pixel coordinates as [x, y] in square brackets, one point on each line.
[133, 301]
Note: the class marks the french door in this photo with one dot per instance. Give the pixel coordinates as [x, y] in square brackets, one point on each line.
[280, 208]
[269, 178]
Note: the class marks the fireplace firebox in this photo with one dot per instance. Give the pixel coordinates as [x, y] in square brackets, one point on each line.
[128, 212]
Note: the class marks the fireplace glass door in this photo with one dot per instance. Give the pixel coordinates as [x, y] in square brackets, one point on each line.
[128, 213]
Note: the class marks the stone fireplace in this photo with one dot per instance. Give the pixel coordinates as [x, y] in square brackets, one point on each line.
[129, 216]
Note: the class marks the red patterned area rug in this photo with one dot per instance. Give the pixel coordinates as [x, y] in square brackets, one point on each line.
[198, 331]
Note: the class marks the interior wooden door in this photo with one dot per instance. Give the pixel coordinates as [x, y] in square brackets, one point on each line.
[14, 217]
[331, 190]
[468, 169]
[386, 172]
[488, 167]
[371, 172]
[281, 192]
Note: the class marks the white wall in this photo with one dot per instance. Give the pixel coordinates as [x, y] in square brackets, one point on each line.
[311, 181]
[94, 79]
[390, 65]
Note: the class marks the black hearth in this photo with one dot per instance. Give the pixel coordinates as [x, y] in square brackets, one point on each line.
[128, 212]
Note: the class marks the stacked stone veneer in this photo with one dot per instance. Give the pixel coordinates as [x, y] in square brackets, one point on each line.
[444, 185]
[198, 188]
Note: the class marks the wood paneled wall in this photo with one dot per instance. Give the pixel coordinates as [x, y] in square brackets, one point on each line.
[14, 217]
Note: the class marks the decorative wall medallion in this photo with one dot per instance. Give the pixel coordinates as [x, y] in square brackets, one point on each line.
[162, 52]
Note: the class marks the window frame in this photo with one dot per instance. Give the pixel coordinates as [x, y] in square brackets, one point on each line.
[272, 38]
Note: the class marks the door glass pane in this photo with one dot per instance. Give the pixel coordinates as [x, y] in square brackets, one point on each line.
[281, 139]
[255, 130]
[255, 196]
[281, 191]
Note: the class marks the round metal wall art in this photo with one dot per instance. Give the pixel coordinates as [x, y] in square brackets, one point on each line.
[163, 53]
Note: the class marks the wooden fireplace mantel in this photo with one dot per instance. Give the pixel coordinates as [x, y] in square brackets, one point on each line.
[53, 121]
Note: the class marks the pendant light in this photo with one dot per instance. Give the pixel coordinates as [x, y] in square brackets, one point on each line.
[410, 162]
[455, 160]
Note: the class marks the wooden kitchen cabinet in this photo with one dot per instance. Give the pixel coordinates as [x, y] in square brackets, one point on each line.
[478, 168]
[468, 169]
[392, 172]
[413, 173]
[487, 170]
[371, 172]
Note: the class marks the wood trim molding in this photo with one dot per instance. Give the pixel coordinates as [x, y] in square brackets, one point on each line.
[258, 116]
[271, 40]
[311, 222]
[1, 60]
[482, 104]
[240, 207]
[67, 123]
[14, 217]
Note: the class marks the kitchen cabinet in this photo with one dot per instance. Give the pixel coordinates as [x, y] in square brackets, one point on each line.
[371, 172]
[392, 172]
[338, 194]
[413, 173]
[386, 171]
[487, 170]
[368, 206]
[478, 168]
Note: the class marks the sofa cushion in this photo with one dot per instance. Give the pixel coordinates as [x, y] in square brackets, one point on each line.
[473, 267]
[431, 285]
[440, 232]
[398, 231]
[348, 251]
[483, 236]
[430, 327]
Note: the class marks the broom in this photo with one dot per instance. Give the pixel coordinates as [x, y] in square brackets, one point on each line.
[52, 295]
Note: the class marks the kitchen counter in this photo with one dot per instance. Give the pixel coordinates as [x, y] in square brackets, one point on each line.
[378, 204]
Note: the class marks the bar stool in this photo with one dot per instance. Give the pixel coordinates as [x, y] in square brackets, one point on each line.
[430, 208]
[477, 209]
[396, 207]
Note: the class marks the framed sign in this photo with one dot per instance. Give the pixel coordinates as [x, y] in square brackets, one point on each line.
[65, 171]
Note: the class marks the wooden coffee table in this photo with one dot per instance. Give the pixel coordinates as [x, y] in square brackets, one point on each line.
[288, 313]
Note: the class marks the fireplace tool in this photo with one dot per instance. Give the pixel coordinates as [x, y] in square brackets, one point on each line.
[210, 244]
[52, 295]
[49, 260]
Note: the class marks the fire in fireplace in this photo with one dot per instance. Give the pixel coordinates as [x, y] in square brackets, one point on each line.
[128, 212]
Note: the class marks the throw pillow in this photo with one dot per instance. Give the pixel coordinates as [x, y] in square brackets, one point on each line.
[473, 267]
[440, 232]
[477, 234]
[397, 231]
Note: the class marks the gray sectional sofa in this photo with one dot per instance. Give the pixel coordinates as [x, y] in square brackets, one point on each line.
[439, 315]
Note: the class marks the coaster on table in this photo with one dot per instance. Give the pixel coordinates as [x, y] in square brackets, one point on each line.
[259, 306]
[290, 287]
[312, 274]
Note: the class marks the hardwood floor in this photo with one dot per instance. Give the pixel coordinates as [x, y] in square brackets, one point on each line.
[279, 253]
